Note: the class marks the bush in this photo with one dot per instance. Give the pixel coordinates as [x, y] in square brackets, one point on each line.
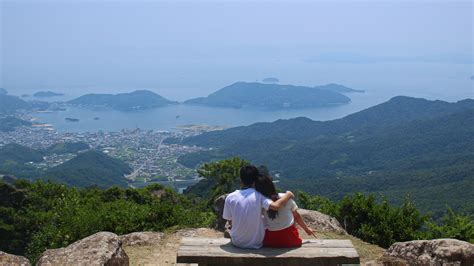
[373, 221]
[50, 215]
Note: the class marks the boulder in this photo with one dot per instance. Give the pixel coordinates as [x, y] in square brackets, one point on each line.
[103, 248]
[321, 221]
[13, 260]
[219, 210]
[430, 252]
[141, 239]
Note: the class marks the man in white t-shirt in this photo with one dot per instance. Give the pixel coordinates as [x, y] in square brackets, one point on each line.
[243, 208]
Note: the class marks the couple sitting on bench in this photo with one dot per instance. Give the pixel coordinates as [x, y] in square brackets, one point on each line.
[260, 216]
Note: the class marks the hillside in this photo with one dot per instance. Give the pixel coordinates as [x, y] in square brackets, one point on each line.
[404, 146]
[270, 96]
[19, 153]
[9, 104]
[91, 168]
[14, 160]
[9, 123]
[67, 147]
[140, 99]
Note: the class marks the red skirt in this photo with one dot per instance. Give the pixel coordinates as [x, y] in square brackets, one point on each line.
[285, 238]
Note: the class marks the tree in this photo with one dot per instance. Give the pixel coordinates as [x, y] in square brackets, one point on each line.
[224, 175]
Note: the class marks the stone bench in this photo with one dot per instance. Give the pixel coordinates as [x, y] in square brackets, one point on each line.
[219, 251]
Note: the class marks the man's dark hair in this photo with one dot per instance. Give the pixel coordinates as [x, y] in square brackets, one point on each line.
[248, 175]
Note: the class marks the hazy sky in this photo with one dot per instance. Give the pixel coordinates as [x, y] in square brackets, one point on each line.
[190, 48]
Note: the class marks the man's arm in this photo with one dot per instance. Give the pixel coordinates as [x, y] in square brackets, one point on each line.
[275, 205]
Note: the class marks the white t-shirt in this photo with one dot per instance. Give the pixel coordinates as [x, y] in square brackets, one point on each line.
[244, 209]
[284, 218]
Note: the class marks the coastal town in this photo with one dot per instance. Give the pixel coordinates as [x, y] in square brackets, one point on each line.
[152, 159]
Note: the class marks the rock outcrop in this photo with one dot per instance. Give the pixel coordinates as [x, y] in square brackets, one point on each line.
[141, 238]
[219, 210]
[321, 221]
[430, 252]
[9, 259]
[103, 248]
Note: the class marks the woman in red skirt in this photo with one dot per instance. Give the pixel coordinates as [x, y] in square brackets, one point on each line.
[281, 230]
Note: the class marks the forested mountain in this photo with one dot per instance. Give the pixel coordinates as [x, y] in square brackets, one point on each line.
[140, 99]
[9, 123]
[91, 168]
[9, 104]
[271, 96]
[404, 146]
[19, 153]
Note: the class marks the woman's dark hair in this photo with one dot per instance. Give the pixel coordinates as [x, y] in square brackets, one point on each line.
[264, 185]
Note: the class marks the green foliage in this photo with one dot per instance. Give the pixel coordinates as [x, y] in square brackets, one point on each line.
[452, 225]
[38, 216]
[378, 222]
[220, 177]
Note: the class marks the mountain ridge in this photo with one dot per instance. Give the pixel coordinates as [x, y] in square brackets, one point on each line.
[406, 146]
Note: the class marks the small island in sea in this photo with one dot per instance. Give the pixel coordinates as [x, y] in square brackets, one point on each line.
[272, 96]
[69, 119]
[3, 91]
[137, 100]
[270, 80]
[472, 77]
[45, 94]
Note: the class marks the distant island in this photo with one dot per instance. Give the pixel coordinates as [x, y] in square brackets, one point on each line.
[337, 88]
[45, 94]
[3, 91]
[472, 77]
[69, 119]
[137, 100]
[271, 96]
[270, 80]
